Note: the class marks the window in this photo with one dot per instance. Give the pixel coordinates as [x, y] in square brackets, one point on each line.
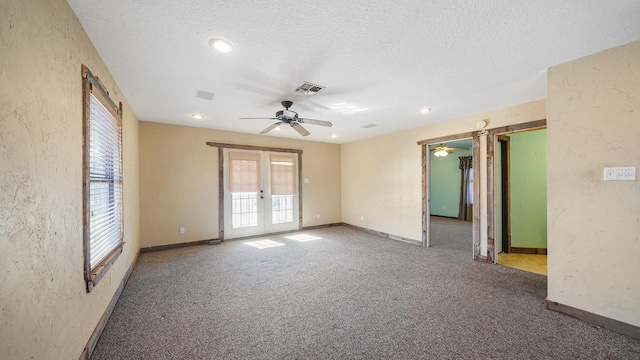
[102, 180]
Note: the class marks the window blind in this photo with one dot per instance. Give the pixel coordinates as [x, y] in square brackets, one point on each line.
[105, 181]
[244, 174]
[283, 174]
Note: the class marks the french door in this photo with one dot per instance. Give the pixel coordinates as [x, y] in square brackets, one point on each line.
[261, 192]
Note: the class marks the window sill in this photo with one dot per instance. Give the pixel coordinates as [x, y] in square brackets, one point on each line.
[96, 274]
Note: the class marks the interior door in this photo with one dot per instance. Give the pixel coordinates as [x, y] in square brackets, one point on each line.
[261, 192]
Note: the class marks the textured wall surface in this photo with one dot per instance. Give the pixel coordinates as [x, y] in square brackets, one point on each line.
[594, 226]
[180, 177]
[45, 311]
[381, 177]
[529, 189]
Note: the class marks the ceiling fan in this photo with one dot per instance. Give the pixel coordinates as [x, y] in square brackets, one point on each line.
[290, 117]
[442, 151]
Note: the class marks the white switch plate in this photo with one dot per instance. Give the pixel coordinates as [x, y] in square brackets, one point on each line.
[629, 173]
[620, 173]
[608, 173]
[306, 180]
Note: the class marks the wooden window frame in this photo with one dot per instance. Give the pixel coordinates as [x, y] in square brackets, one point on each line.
[91, 85]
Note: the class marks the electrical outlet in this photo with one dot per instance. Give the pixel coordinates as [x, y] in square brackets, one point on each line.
[361, 218]
[182, 230]
[318, 216]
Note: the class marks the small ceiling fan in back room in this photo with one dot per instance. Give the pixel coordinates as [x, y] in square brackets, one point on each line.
[291, 118]
[442, 151]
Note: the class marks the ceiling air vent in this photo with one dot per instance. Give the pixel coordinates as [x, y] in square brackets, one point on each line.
[370, 126]
[204, 95]
[308, 88]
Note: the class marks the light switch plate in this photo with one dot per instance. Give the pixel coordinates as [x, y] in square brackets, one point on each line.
[627, 173]
[608, 173]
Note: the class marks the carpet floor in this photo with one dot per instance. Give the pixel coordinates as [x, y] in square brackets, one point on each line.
[338, 293]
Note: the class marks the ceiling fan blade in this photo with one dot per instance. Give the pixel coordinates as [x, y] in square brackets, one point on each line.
[297, 127]
[315, 122]
[270, 127]
[262, 118]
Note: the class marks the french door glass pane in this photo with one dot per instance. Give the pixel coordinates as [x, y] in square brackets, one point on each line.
[244, 209]
[281, 209]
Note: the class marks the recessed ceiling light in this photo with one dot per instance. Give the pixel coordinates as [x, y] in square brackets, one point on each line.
[221, 45]
[334, 136]
[278, 128]
[197, 116]
[425, 110]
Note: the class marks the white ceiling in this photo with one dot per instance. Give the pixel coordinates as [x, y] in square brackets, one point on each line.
[386, 59]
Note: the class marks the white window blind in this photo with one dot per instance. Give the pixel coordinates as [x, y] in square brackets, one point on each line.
[283, 174]
[244, 174]
[105, 180]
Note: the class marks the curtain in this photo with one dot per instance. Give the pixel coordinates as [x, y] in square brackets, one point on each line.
[466, 189]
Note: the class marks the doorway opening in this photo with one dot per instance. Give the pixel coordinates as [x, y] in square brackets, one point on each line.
[427, 158]
[519, 204]
[451, 194]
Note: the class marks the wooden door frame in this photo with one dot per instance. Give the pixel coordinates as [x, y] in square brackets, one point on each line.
[505, 181]
[491, 171]
[426, 191]
[221, 147]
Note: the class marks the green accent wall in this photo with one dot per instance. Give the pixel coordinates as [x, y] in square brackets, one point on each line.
[445, 183]
[529, 189]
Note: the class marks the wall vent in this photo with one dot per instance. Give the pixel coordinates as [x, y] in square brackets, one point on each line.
[308, 88]
[370, 126]
[204, 95]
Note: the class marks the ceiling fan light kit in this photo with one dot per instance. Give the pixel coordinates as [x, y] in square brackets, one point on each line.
[442, 151]
[291, 117]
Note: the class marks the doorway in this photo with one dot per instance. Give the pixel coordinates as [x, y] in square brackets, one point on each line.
[259, 190]
[426, 189]
[520, 200]
[451, 195]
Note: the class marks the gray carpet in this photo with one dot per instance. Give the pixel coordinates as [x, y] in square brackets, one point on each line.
[347, 295]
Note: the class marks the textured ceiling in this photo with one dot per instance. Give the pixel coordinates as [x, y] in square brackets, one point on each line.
[381, 61]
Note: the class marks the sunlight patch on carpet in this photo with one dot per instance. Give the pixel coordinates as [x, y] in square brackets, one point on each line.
[264, 244]
[302, 237]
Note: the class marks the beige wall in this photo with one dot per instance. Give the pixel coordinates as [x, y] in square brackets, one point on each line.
[45, 311]
[594, 226]
[179, 173]
[381, 177]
